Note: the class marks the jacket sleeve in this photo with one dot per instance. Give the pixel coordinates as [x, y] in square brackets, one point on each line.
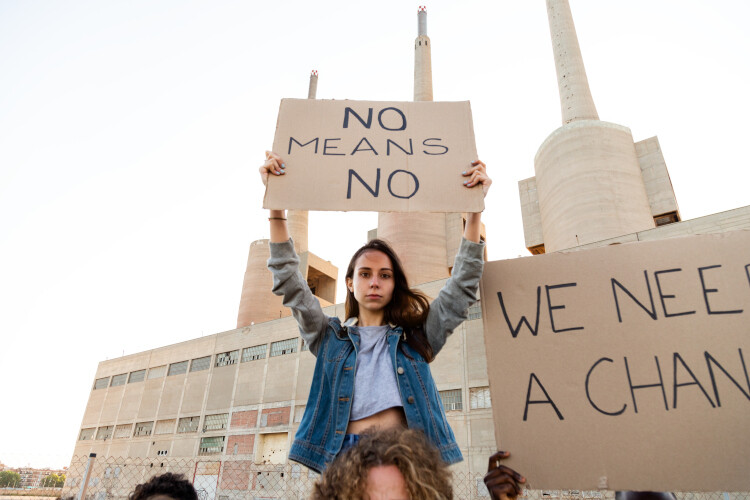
[450, 307]
[288, 281]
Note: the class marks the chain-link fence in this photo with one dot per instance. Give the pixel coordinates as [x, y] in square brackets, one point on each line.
[115, 478]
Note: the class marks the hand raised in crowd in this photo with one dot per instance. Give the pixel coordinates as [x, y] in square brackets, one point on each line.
[501, 481]
[273, 165]
[477, 174]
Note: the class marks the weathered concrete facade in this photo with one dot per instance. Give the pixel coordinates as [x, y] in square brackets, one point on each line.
[241, 393]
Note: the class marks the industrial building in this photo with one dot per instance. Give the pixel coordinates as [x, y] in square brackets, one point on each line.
[240, 394]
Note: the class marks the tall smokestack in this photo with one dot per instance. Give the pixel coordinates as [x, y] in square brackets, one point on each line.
[576, 102]
[297, 220]
[588, 178]
[419, 239]
[422, 59]
[312, 90]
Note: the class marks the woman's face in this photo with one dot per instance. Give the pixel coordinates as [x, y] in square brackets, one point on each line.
[372, 283]
[385, 482]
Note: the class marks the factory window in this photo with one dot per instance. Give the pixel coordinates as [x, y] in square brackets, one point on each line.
[157, 372]
[668, 218]
[211, 445]
[255, 352]
[165, 426]
[188, 424]
[200, 364]
[451, 399]
[479, 397]
[215, 422]
[123, 431]
[143, 429]
[87, 434]
[475, 311]
[298, 412]
[227, 358]
[283, 347]
[137, 376]
[101, 383]
[178, 368]
[109, 472]
[119, 380]
[104, 432]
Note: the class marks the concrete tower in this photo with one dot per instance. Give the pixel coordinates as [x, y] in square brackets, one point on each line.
[425, 242]
[422, 59]
[589, 183]
[257, 302]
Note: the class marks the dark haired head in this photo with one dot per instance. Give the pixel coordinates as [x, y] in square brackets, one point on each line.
[171, 485]
[407, 308]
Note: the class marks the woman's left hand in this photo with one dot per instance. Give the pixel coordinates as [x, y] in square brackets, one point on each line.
[477, 174]
[502, 481]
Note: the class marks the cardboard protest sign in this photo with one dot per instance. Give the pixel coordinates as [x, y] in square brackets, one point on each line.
[374, 156]
[624, 367]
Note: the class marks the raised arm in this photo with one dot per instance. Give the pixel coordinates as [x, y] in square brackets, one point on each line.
[477, 174]
[284, 265]
[449, 309]
[274, 165]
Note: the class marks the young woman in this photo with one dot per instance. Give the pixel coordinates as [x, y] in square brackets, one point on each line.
[372, 370]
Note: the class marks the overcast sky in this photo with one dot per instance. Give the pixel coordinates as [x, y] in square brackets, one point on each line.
[131, 133]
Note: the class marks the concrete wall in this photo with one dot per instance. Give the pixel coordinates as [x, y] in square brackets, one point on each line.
[530, 214]
[731, 220]
[659, 190]
[261, 396]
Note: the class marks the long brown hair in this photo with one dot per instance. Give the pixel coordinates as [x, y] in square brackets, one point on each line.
[408, 308]
[424, 472]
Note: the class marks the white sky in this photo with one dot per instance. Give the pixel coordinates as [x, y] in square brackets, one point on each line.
[131, 133]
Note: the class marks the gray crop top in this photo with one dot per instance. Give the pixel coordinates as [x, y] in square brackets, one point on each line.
[375, 386]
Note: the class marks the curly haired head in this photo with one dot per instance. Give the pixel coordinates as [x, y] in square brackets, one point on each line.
[425, 473]
[171, 485]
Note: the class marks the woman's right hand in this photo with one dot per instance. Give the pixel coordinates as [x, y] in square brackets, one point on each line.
[273, 165]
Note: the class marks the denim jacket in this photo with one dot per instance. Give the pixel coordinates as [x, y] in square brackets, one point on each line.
[323, 426]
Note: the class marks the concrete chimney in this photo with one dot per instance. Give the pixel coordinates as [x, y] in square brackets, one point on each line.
[588, 177]
[422, 21]
[312, 90]
[419, 239]
[576, 102]
[422, 59]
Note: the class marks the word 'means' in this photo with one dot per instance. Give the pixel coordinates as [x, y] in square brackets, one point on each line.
[390, 119]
